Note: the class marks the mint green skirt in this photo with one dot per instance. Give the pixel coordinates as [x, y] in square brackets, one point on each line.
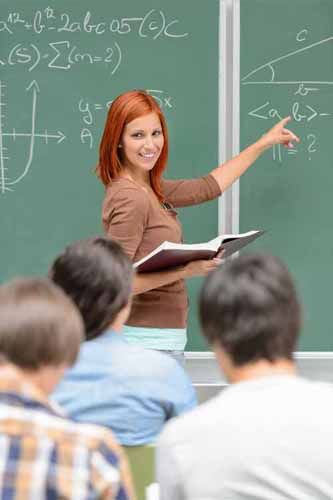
[162, 339]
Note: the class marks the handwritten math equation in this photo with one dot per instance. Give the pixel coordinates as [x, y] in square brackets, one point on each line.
[301, 112]
[303, 94]
[152, 24]
[61, 55]
[88, 110]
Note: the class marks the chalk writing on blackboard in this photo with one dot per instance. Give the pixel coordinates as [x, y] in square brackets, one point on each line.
[312, 144]
[265, 74]
[300, 95]
[61, 55]
[299, 112]
[64, 54]
[152, 24]
[57, 40]
[302, 113]
[6, 182]
[302, 35]
[305, 90]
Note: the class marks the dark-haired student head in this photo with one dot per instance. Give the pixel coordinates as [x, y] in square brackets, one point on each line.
[97, 275]
[268, 419]
[250, 311]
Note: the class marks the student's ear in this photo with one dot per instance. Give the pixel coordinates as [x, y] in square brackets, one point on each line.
[223, 360]
[121, 317]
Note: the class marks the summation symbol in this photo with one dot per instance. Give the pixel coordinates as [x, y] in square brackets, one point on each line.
[6, 182]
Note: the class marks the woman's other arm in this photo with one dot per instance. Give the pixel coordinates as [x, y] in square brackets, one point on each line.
[149, 281]
[125, 217]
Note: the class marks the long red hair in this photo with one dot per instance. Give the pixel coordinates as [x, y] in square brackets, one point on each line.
[124, 109]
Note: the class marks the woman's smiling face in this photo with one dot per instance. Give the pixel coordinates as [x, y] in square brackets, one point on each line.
[142, 142]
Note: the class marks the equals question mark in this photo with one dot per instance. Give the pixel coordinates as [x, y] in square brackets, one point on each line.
[312, 142]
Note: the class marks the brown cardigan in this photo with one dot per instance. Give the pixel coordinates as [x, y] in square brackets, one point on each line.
[134, 217]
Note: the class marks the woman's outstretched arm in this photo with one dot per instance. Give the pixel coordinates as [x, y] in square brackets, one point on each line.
[232, 169]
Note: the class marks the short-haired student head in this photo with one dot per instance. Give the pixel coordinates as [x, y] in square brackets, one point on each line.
[39, 325]
[97, 275]
[249, 308]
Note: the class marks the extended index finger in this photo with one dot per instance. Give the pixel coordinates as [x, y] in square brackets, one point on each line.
[285, 120]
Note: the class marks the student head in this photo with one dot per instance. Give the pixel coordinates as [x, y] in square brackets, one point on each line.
[132, 112]
[250, 312]
[97, 275]
[40, 330]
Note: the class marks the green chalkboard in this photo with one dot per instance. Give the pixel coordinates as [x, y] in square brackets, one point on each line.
[61, 64]
[286, 68]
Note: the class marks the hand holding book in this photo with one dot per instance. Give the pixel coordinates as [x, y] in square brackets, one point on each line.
[201, 267]
[168, 254]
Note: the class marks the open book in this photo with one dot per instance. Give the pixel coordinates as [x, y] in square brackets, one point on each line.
[175, 254]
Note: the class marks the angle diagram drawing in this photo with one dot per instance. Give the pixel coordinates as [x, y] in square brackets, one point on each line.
[270, 73]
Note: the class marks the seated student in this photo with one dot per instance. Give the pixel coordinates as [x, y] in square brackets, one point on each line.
[128, 388]
[42, 454]
[268, 435]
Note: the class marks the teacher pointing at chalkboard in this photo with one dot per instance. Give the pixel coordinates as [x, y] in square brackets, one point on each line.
[139, 210]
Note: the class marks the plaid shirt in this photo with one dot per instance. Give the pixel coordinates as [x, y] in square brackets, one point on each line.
[45, 456]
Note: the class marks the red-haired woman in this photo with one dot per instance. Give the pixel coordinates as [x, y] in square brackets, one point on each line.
[138, 210]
